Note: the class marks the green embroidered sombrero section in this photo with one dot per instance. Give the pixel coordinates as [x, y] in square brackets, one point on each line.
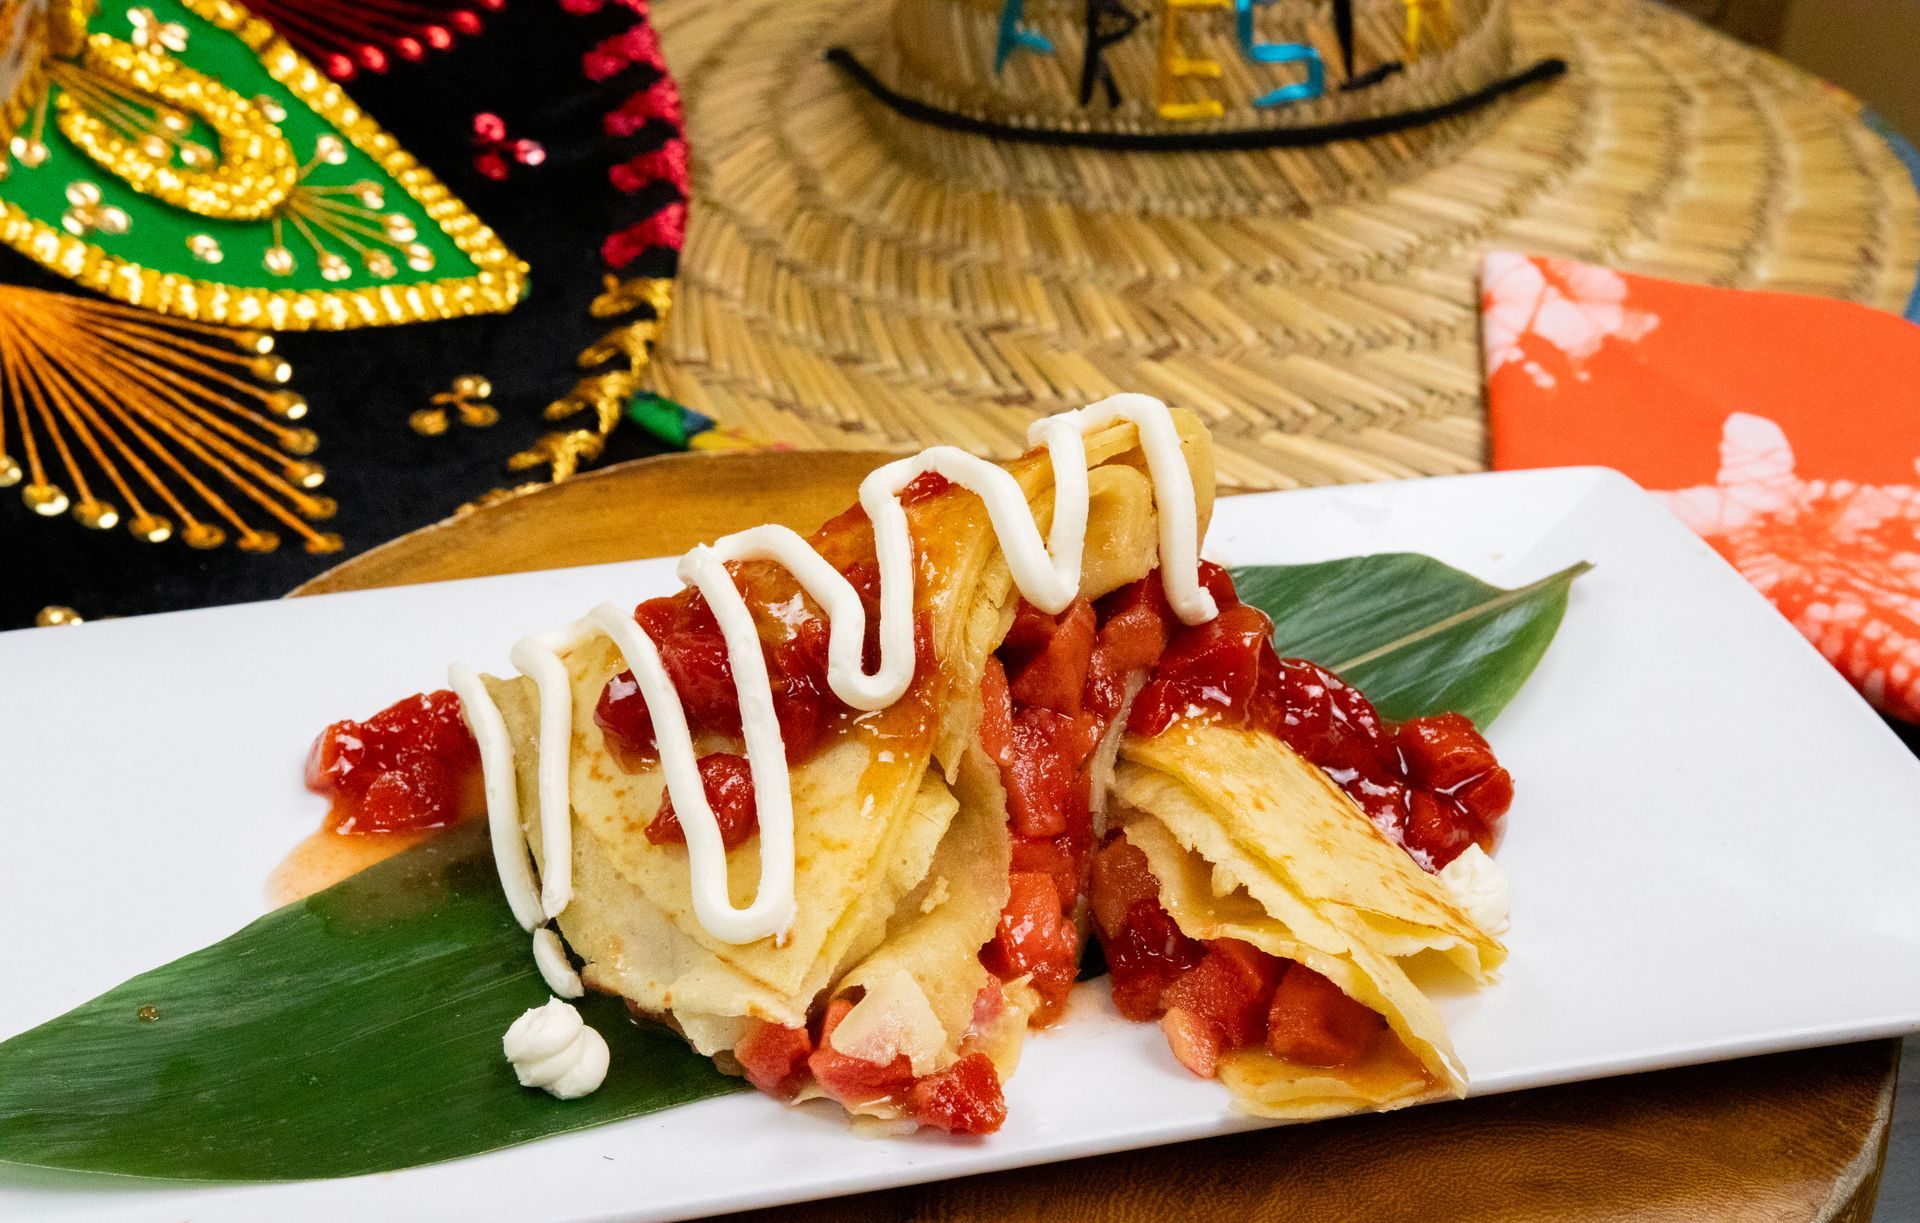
[187, 160]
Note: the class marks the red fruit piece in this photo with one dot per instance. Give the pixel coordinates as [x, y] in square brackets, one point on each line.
[728, 783]
[775, 1058]
[854, 1080]
[1195, 1040]
[621, 713]
[1216, 664]
[924, 487]
[1054, 675]
[411, 766]
[1046, 787]
[965, 1098]
[802, 701]
[1313, 1023]
[1133, 634]
[1487, 796]
[1120, 877]
[335, 757]
[1053, 857]
[1034, 937]
[1149, 954]
[1444, 751]
[1231, 988]
[1219, 584]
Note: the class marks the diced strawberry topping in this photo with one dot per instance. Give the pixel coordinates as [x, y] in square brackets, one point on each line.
[1131, 640]
[965, 1098]
[1432, 784]
[775, 1058]
[1444, 752]
[728, 783]
[1034, 936]
[1046, 785]
[1312, 1022]
[1054, 857]
[413, 765]
[1230, 988]
[1216, 663]
[1148, 955]
[622, 715]
[693, 652]
[854, 1080]
[988, 1005]
[1054, 675]
[1121, 878]
[1219, 584]
[1196, 1041]
[996, 716]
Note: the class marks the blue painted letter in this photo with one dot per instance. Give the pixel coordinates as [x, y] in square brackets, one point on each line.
[1281, 53]
[1012, 35]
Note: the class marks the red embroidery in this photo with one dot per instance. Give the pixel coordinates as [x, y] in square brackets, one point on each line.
[668, 164]
[667, 227]
[655, 102]
[346, 37]
[496, 155]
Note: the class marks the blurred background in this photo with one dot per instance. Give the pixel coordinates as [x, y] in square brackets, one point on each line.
[1866, 46]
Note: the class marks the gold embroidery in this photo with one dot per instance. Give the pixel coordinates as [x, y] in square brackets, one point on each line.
[497, 283]
[125, 107]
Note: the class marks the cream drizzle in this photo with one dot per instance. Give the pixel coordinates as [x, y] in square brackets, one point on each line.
[1046, 573]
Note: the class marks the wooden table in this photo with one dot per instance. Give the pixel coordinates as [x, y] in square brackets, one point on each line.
[1793, 1138]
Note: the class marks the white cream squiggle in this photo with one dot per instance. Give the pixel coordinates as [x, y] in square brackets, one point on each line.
[1046, 573]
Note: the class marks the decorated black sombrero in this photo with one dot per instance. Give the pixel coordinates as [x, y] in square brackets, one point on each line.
[210, 233]
[937, 219]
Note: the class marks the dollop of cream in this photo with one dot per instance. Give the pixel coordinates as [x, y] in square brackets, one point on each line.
[553, 1049]
[1479, 888]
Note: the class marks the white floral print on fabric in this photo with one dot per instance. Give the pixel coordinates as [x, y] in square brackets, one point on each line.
[1839, 558]
[1551, 315]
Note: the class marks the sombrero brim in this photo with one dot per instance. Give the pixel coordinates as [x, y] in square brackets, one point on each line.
[854, 278]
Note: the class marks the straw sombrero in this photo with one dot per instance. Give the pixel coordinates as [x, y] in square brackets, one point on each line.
[930, 236]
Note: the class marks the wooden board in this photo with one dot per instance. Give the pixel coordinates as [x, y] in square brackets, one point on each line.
[1794, 1138]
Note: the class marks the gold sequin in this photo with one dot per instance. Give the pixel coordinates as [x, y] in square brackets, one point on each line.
[465, 400]
[85, 213]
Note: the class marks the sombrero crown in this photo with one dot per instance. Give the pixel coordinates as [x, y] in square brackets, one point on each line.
[929, 237]
[1190, 74]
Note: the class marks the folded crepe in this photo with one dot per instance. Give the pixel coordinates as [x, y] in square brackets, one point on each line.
[1259, 856]
[877, 995]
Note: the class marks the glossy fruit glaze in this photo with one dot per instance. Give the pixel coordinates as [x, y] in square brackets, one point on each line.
[412, 766]
[794, 635]
[1431, 783]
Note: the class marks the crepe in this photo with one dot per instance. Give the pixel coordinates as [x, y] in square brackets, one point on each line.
[901, 842]
[1251, 842]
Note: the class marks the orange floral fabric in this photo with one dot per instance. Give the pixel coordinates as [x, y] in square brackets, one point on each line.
[1784, 429]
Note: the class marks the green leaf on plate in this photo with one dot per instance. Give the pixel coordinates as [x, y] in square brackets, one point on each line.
[355, 1031]
[1418, 637]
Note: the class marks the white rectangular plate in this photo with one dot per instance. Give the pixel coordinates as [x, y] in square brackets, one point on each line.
[1712, 849]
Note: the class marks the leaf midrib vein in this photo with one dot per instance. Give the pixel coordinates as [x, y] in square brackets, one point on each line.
[1486, 607]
